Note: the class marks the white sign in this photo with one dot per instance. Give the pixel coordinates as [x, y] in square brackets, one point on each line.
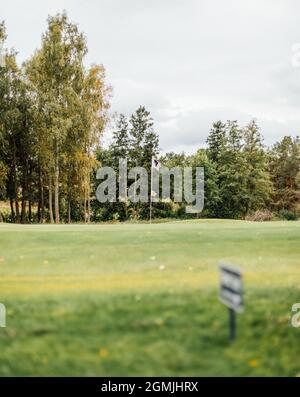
[231, 287]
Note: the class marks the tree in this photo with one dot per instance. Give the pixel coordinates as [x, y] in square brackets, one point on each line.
[16, 136]
[72, 105]
[284, 165]
[211, 188]
[3, 91]
[242, 176]
[120, 145]
[55, 72]
[143, 139]
[259, 186]
[3, 175]
[143, 146]
[216, 141]
[232, 169]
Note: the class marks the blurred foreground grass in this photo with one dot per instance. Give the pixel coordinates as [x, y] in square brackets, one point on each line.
[142, 299]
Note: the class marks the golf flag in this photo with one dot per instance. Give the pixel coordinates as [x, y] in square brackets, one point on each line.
[154, 166]
[155, 163]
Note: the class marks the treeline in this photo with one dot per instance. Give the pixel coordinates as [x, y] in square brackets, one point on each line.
[241, 175]
[52, 115]
[53, 112]
[136, 140]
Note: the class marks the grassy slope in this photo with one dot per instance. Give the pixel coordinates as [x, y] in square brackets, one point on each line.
[142, 299]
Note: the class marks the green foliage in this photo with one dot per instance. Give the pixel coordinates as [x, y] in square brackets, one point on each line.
[241, 165]
[288, 215]
[53, 112]
[211, 189]
[135, 140]
[284, 165]
[216, 141]
[120, 147]
[259, 185]
[143, 139]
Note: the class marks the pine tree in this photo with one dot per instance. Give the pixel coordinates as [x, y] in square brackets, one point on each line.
[216, 141]
[284, 165]
[211, 190]
[232, 171]
[259, 186]
[143, 139]
[120, 145]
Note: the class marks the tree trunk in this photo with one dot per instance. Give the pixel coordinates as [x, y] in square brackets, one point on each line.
[15, 188]
[24, 194]
[50, 200]
[89, 209]
[17, 207]
[23, 206]
[56, 190]
[39, 211]
[89, 200]
[29, 211]
[84, 205]
[29, 197]
[42, 203]
[69, 210]
[41, 207]
[12, 209]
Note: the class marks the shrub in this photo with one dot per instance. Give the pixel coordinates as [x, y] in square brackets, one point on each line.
[288, 215]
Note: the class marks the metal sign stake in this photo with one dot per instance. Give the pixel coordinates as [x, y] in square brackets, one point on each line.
[232, 325]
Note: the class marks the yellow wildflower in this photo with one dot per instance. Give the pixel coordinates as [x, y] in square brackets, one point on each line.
[103, 352]
[253, 363]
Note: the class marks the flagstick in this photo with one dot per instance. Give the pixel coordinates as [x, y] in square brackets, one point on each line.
[151, 192]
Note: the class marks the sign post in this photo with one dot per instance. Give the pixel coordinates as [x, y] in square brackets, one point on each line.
[231, 294]
[232, 325]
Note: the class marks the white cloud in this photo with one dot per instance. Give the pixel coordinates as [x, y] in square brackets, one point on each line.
[190, 62]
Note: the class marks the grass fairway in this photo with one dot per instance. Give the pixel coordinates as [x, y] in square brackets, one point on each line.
[138, 299]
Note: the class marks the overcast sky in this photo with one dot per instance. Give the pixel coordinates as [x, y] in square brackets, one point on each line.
[190, 62]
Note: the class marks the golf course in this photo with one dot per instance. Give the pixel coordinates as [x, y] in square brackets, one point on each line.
[130, 299]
